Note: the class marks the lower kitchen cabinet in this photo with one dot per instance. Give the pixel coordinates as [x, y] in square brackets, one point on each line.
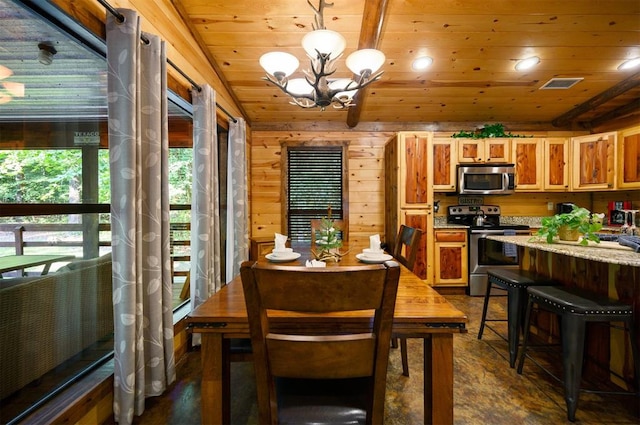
[451, 258]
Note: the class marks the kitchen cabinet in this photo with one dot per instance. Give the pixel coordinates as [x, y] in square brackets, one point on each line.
[409, 193]
[593, 162]
[483, 150]
[556, 164]
[526, 154]
[445, 157]
[629, 158]
[451, 258]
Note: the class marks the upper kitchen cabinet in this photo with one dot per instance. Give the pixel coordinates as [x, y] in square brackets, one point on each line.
[415, 187]
[444, 164]
[593, 161]
[483, 150]
[629, 158]
[556, 164]
[526, 154]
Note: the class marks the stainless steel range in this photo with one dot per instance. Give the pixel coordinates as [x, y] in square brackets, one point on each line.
[484, 254]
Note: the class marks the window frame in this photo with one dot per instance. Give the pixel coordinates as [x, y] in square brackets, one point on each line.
[284, 166]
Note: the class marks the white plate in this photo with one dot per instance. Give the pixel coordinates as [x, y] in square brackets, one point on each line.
[373, 260]
[282, 258]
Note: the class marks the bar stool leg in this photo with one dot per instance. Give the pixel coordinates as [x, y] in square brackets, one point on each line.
[525, 336]
[484, 309]
[514, 315]
[573, 333]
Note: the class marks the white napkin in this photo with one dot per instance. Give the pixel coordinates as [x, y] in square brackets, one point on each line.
[315, 263]
[374, 243]
[280, 242]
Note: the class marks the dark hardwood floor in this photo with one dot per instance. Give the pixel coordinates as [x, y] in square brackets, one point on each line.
[486, 389]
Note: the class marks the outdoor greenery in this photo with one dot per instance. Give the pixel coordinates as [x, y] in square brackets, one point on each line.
[485, 132]
[55, 176]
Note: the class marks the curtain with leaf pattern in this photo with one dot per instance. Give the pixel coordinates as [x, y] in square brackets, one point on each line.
[138, 154]
[205, 202]
[237, 199]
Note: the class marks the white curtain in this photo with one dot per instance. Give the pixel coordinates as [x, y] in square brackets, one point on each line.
[205, 216]
[237, 199]
[138, 152]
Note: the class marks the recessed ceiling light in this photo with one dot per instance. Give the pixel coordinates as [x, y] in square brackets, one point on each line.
[527, 63]
[628, 64]
[421, 63]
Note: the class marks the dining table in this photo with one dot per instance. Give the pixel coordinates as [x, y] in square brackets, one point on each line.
[420, 312]
[20, 262]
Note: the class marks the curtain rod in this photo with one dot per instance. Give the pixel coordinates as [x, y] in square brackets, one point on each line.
[120, 18]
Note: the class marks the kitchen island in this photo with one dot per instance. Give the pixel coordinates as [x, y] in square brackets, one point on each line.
[607, 269]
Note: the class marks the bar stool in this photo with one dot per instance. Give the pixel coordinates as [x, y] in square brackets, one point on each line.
[576, 307]
[515, 282]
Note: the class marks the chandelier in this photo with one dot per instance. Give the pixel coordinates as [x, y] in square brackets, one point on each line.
[317, 88]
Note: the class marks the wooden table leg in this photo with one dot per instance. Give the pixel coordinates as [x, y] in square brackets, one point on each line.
[211, 393]
[438, 379]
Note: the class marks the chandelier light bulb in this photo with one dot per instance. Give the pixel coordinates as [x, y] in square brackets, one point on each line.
[299, 87]
[326, 42]
[365, 60]
[279, 64]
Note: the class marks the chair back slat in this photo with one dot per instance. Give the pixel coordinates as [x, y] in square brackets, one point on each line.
[407, 246]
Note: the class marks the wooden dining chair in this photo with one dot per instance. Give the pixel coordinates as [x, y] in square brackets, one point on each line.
[406, 251]
[320, 371]
[316, 225]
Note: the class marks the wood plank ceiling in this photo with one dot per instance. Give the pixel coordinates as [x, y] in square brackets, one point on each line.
[474, 44]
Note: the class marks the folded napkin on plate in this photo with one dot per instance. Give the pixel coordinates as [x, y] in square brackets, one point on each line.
[509, 249]
[280, 242]
[374, 242]
[315, 263]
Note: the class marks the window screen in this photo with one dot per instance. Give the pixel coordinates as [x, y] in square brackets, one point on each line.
[315, 182]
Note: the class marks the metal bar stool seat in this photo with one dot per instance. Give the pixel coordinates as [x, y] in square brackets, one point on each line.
[576, 307]
[515, 283]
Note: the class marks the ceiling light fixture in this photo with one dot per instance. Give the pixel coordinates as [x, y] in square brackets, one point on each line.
[323, 47]
[628, 64]
[45, 55]
[421, 63]
[527, 63]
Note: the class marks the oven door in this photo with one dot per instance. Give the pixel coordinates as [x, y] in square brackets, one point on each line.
[485, 254]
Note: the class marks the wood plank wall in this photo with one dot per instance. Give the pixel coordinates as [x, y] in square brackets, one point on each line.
[366, 180]
[366, 185]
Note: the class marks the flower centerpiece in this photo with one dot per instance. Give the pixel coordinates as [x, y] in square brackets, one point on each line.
[328, 240]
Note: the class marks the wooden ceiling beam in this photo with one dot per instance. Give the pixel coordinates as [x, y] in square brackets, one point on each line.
[613, 92]
[370, 32]
[629, 108]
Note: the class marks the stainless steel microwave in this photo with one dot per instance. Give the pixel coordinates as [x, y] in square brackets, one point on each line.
[486, 179]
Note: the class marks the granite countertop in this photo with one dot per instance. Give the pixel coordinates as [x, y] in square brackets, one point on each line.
[605, 252]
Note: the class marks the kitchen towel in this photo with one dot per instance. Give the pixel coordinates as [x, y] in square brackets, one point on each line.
[632, 242]
[509, 249]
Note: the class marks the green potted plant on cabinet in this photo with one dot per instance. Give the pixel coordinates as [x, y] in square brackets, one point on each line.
[579, 222]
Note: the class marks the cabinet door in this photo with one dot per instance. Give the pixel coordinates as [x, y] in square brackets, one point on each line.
[483, 150]
[450, 254]
[556, 164]
[629, 158]
[496, 150]
[422, 220]
[415, 187]
[527, 157]
[470, 150]
[593, 161]
[444, 164]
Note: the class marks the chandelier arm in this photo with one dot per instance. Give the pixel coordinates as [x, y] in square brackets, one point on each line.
[283, 87]
[357, 86]
[319, 12]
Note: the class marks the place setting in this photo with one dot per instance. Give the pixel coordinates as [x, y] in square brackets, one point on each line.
[280, 253]
[374, 254]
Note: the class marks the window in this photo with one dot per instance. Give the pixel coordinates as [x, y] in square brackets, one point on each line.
[315, 179]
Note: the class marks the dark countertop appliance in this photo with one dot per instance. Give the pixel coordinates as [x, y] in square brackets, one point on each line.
[485, 254]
